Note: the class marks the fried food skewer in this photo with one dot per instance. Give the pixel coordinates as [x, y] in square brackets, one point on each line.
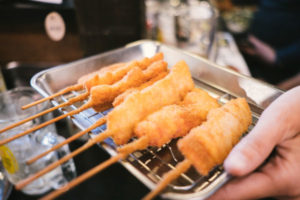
[170, 90]
[208, 144]
[87, 81]
[116, 102]
[177, 120]
[122, 120]
[105, 93]
[106, 75]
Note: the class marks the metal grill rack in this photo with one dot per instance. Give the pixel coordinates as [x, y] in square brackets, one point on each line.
[152, 162]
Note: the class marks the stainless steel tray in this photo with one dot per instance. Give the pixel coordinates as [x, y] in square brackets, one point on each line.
[149, 165]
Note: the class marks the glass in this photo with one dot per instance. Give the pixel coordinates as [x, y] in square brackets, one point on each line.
[16, 153]
[187, 24]
[5, 185]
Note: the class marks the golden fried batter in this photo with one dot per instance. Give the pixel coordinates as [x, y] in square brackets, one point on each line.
[101, 72]
[113, 73]
[176, 120]
[106, 93]
[119, 99]
[208, 145]
[169, 90]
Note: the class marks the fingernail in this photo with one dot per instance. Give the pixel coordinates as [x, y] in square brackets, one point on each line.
[235, 164]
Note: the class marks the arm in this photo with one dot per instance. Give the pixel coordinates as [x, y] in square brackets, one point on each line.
[290, 83]
[286, 57]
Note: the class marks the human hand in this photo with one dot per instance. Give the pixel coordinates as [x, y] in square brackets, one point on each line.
[260, 49]
[276, 132]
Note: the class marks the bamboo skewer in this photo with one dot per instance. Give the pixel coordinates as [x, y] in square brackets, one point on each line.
[100, 122]
[195, 100]
[142, 63]
[74, 112]
[124, 151]
[52, 166]
[98, 139]
[169, 177]
[180, 73]
[64, 91]
[144, 140]
[68, 103]
[49, 168]
[98, 94]
[204, 146]
[82, 177]
[141, 143]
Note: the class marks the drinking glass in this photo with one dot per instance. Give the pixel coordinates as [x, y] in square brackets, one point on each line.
[15, 153]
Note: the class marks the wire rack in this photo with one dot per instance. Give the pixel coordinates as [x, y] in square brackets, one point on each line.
[153, 162]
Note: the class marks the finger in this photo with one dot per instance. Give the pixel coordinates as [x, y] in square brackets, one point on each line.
[254, 186]
[249, 50]
[254, 41]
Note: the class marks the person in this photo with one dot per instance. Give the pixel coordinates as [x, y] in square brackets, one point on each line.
[273, 46]
[266, 162]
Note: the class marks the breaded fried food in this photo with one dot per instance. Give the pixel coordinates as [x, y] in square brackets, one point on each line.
[109, 77]
[196, 97]
[103, 71]
[176, 120]
[107, 93]
[101, 96]
[122, 119]
[208, 145]
[169, 90]
[106, 75]
[119, 99]
[113, 73]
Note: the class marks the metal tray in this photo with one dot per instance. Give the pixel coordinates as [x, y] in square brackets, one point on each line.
[150, 164]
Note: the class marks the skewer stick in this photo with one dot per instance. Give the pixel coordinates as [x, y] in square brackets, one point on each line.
[141, 143]
[49, 168]
[126, 82]
[83, 177]
[67, 141]
[169, 177]
[138, 144]
[66, 90]
[69, 102]
[84, 107]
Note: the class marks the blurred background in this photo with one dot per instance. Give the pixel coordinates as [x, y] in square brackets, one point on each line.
[259, 38]
[36, 34]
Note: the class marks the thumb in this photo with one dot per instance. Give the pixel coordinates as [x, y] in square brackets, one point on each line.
[253, 149]
[253, 186]
[278, 122]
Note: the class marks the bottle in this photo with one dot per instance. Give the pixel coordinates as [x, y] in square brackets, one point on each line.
[2, 83]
